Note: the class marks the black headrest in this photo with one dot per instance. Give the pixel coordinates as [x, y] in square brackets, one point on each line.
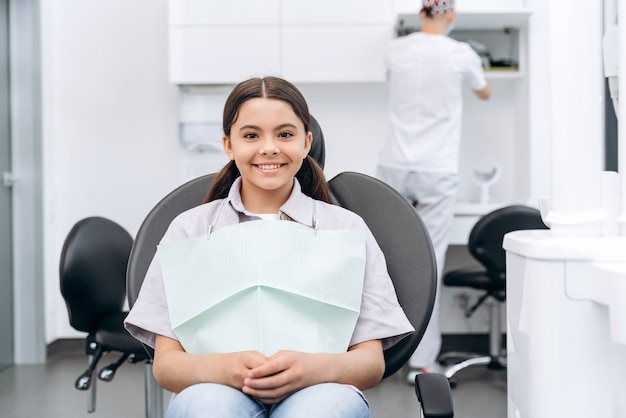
[318, 151]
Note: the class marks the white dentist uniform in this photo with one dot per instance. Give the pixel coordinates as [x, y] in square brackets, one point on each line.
[420, 157]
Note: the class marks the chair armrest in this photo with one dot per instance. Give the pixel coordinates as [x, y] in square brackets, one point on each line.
[433, 392]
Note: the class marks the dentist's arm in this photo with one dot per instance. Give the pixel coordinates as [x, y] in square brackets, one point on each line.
[484, 93]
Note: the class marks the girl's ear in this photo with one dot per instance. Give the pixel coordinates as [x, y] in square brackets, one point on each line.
[228, 147]
[307, 143]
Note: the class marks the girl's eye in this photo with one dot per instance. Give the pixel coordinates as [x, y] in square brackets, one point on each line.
[250, 135]
[285, 135]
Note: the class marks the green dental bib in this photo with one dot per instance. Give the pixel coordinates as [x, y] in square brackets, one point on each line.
[266, 286]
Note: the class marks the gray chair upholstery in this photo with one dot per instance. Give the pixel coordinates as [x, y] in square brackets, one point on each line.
[402, 236]
[92, 272]
[485, 245]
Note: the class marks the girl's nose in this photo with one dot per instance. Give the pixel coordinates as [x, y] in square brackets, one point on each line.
[269, 146]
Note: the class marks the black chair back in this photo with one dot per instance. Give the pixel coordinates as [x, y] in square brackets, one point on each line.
[318, 147]
[485, 240]
[93, 271]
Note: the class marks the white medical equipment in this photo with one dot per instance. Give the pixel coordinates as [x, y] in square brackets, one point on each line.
[566, 287]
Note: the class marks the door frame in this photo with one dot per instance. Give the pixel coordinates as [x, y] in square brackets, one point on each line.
[27, 165]
[7, 345]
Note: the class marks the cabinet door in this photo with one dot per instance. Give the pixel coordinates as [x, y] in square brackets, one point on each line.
[489, 5]
[407, 6]
[224, 13]
[335, 54]
[307, 12]
[222, 55]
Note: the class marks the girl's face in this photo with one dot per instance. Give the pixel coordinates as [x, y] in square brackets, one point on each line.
[268, 143]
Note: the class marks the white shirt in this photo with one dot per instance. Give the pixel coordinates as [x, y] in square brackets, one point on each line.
[426, 73]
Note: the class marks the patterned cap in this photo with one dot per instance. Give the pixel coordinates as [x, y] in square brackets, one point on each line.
[439, 6]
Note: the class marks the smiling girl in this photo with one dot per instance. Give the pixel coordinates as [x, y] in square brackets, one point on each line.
[270, 177]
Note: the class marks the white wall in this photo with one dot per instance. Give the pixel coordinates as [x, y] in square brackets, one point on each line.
[354, 120]
[109, 129]
[110, 125]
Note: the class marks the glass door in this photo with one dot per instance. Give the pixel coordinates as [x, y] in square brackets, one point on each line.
[6, 265]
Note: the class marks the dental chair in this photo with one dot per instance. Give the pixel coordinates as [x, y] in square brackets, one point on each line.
[485, 245]
[92, 274]
[398, 230]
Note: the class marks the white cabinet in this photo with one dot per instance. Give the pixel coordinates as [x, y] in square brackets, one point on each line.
[209, 55]
[335, 54]
[330, 41]
[482, 5]
[216, 42]
[238, 13]
[333, 12]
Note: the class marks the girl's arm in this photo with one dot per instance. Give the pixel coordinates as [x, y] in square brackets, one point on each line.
[174, 369]
[288, 371]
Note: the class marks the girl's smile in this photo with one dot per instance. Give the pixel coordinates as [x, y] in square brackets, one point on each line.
[269, 167]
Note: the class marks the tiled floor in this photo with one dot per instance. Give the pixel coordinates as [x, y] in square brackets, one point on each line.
[48, 391]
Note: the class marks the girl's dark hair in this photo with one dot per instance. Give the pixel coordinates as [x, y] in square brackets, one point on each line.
[310, 175]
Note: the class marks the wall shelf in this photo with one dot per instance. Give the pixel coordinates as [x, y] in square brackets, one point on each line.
[504, 75]
[497, 32]
[474, 20]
